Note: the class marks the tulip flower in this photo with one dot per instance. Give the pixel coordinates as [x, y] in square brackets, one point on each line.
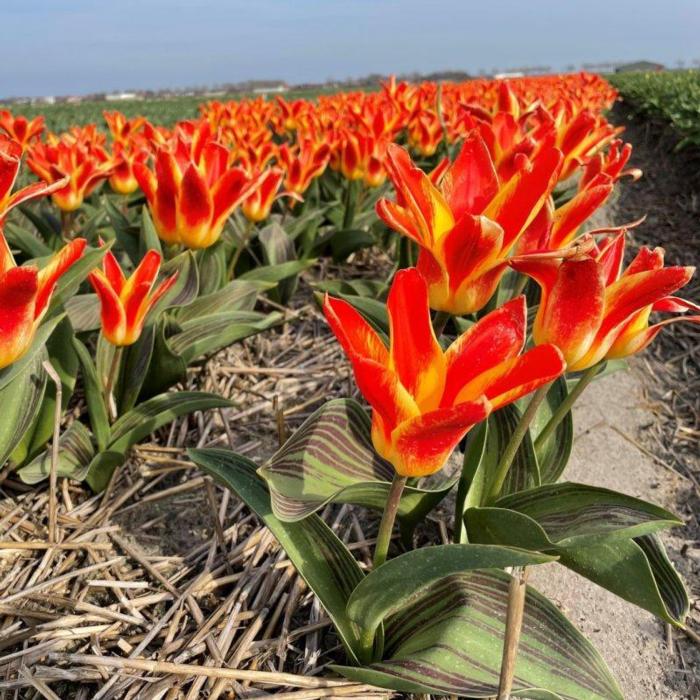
[256, 206]
[122, 128]
[592, 310]
[10, 161]
[124, 156]
[424, 399]
[468, 223]
[192, 191]
[83, 162]
[302, 164]
[21, 129]
[25, 293]
[125, 303]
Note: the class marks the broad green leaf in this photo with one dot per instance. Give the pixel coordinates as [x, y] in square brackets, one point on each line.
[344, 243]
[401, 580]
[186, 287]
[20, 399]
[149, 235]
[599, 540]
[571, 513]
[211, 263]
[84, 312]
[238, 295]
[319, 556]
[275, 273]
[209, 334]
[47, 225]
[140, 422]
[65, 361]
[99, 420]
[449, 640]
[135, 362]
[12, 371]
[166, 368]
[278, 248]
[471, 488]
[26, 241]
[330, 458]
[126, 232]
[553, 455]
[76, 452]
[372, 289]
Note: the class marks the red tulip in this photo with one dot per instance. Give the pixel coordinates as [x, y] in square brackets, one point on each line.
[25, 293]
[21, 129]
[126, 302]
[592, 310]
[424, 399]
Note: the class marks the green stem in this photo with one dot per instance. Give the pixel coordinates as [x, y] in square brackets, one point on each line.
[440, 321]
[514, 443]
[351, 193]
[566, 404]
[520, 286]
[386, 526]
[111, 381]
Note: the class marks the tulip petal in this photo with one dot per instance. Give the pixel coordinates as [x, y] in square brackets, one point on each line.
[646, 259]
[568, 218]
[354, 333]
[18, 291]
[421, 446]
[113, 272]
[10, 154]
[168, 178]
[471, 181]
[497, 337]
[611, 258]
[195, 207]
[231, 189]
[59, 263]
[416, 355]
[7, 260]
[112, 312]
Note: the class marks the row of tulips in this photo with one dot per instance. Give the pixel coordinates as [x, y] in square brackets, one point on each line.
[502, 309]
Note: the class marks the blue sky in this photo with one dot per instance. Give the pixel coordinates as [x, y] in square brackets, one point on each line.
[79, 46]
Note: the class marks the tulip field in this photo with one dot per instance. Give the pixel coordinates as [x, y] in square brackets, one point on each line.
[288, 390]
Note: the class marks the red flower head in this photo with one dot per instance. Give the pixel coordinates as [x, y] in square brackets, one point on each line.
[424, 399]
[193, 191]
[302, 164]
[468, 223]
[126, 302]
[592, 310]
[21, 129]
[25, 293]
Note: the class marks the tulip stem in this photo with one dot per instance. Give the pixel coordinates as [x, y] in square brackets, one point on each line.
[441, 319]
[386, 526]
[111, 381]
[351, 194]
[516, 439]
[514, 623]
[566, 404]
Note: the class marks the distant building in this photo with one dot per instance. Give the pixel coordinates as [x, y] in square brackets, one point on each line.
[512, 74]
[118, 96]
[639, 67]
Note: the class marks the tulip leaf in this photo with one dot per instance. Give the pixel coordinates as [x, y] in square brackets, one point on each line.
[398, 581]
[84, 312]
[75, 453]
[372, 289]
[600, 534]
[553, 455]
[9, 373]
[99, 420]
[448, 640]
[344, 243]
[135, 361]
[278, 248]
[126, 232]
[238, 295]
[140, 422]
[321, 559]
[330, 458]
[47, 225]
[185, 288]
[276, 273]
[21, 399]
[472, 481]
[213, 273]
[149, 236]
[65, 361]
[205, 336]
[166, 367]
[26, 241]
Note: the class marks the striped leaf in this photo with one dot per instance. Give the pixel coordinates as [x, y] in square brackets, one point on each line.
[21, 400]
[449, 640]
[553, 455]
[76, 452]
[84, 312]
[207, 335]
[331, 458]
[276, 273]
[238, 295]
[321, 559]
[399, 581]
[97, 410]
[602, 535]
[278, 248]
[140, 422]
